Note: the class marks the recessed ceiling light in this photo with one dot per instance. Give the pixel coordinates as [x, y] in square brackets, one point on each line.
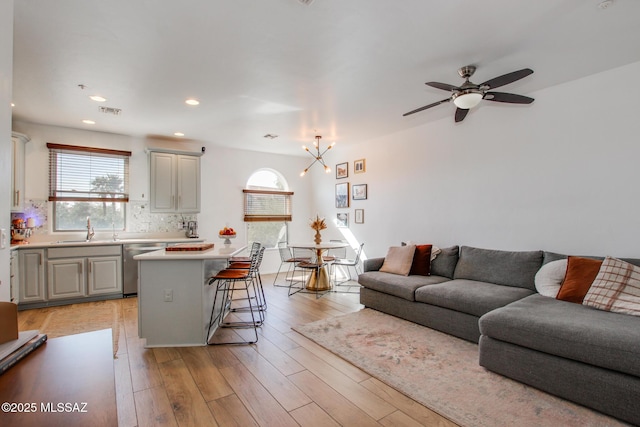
[178, 134]
[88, 122]
[13, 105]
[192, 101]
[97, 98]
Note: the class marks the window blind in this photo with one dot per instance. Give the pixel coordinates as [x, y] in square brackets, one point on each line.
[267, 205]
[86, 174]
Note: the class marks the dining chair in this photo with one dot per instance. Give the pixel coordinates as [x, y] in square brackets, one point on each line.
[306, 263]
[347, 263]
[286, 257]
[335, 253]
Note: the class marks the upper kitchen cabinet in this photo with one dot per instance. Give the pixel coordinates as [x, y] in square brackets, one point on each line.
[18, 142]
[175, 182]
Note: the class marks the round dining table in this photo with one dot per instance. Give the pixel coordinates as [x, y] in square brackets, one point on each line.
[319, 278]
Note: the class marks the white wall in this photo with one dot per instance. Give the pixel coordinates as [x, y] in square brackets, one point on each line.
[6, 79]
[559, 175]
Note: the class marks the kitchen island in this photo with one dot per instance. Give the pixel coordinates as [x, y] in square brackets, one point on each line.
[174, 298]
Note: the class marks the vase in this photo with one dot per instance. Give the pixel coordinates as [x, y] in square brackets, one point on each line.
[318, 238]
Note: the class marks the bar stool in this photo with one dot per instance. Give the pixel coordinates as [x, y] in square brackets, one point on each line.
[262, 305]
[229, 281]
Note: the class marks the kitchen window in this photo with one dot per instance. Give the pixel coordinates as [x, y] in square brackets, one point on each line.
[267, 208]
[88, 182]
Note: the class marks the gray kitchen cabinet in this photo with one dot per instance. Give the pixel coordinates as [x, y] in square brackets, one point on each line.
[174, 182]
[31, 265]
[66, 278]
[104, 275]
[84, 271]
[18, 142]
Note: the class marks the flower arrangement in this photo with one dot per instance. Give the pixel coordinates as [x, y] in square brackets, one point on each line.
[318, 224]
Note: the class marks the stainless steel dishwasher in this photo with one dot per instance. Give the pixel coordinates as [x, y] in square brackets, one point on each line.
[130, 265]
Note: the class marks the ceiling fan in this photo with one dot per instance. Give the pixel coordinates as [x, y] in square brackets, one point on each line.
[469, 94]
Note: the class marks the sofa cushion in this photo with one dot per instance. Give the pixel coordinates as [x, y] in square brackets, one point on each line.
[500, 267]
[398, 260]
[564, 329]
[550, 276]
[616, 288]
[581, 272]
[421, 264]
[399, 286]
[445, 263]
[470, 296]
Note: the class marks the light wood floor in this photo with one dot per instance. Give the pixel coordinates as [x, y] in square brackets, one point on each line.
[283, 380]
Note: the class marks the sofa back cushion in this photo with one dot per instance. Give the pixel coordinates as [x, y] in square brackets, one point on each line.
[445, 263]
[500, 267]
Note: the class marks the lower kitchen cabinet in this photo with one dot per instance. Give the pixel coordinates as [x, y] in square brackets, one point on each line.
[66, 278]
[31, 270]
[104, 275]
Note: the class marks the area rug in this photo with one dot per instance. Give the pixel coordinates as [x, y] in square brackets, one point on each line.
[85, 317]
[442, 373]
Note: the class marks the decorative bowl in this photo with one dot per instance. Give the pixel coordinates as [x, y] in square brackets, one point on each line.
[227, 238]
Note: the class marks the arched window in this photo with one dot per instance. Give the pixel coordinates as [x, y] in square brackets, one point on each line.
[267, 207]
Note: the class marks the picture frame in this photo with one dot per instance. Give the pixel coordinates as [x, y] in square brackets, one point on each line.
[342, 219]
[359, 191]
[359, 166]
[342, 195]
[342, 170]
[359, 216]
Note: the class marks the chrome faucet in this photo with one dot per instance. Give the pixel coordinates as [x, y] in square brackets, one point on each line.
[90, 232]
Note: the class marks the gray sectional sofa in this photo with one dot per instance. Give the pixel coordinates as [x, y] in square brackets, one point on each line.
[588, 356]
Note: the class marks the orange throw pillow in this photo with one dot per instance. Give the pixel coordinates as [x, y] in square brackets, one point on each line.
[581, 272]
[421, 260]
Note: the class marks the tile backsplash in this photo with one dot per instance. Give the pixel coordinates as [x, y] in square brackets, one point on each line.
[139, 218]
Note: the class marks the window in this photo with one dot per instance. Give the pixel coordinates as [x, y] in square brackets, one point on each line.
[267, 208]
[88, 182]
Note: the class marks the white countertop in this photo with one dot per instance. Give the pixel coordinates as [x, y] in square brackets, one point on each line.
[66, 243]
[219, 251]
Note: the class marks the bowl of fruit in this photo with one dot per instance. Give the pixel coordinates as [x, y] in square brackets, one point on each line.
[227, 234]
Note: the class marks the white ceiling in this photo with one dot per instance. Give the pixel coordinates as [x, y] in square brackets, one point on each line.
[346, 69]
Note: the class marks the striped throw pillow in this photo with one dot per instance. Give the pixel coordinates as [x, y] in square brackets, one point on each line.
[616, 288]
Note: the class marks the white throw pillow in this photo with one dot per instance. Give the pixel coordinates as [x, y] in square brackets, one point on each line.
[549, 278]
[398, 260]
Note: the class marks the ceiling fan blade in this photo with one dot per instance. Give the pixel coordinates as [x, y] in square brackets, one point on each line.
[427, 106]
[510, 98]
[507, 78]
[443, 86]
[461, 114]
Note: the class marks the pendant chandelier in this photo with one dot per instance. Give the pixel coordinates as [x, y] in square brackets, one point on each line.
[318, 155]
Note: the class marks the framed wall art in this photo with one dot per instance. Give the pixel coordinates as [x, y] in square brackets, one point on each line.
[342, 219]
[359, 191]
[359, 218]
[342, 195]
[342, 170]
[359, 166]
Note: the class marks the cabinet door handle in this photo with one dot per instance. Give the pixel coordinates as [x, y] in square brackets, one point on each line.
[18, 197]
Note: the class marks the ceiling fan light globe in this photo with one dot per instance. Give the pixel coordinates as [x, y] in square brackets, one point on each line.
[467, 101]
